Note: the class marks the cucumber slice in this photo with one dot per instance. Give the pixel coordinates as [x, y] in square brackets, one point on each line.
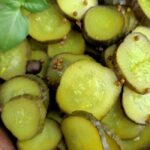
[116, 121]
[133, 61]
[48, 25]
[143, 30]
[83, 132]
[23, 85]
[46, 140]
[141, 142]
[87, 85]
[109, 55]
[74, 43]
[145, 5]
[59, 63]
[23, 116]
[44, 60]
[136, 106]
[103, 23]
[76, 9]
[13, 62]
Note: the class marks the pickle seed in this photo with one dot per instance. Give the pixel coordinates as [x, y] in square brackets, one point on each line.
[57, 64]
[75, 13]
[136, 38]
[85, 2]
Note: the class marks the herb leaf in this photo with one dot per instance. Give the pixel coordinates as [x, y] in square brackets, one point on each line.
[13, 28]
[12, 3]
[35, 5]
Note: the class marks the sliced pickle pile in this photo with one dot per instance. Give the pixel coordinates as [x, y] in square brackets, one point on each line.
[80, 79]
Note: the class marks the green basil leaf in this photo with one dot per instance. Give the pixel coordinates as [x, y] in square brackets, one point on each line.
[35, 5]
[13, 28]
[12, 3]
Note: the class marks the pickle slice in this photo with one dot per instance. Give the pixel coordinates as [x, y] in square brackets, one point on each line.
[87, 85]
[76, 9]
[83, 132]
[48, 139]
[116, 121]
[133, 60]
[73, 43]
[23, 85]
[23, 116]
[103, 23]
[48, 25]
[13, 62]
[136, 106]
[145, 5]
[109, 55]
